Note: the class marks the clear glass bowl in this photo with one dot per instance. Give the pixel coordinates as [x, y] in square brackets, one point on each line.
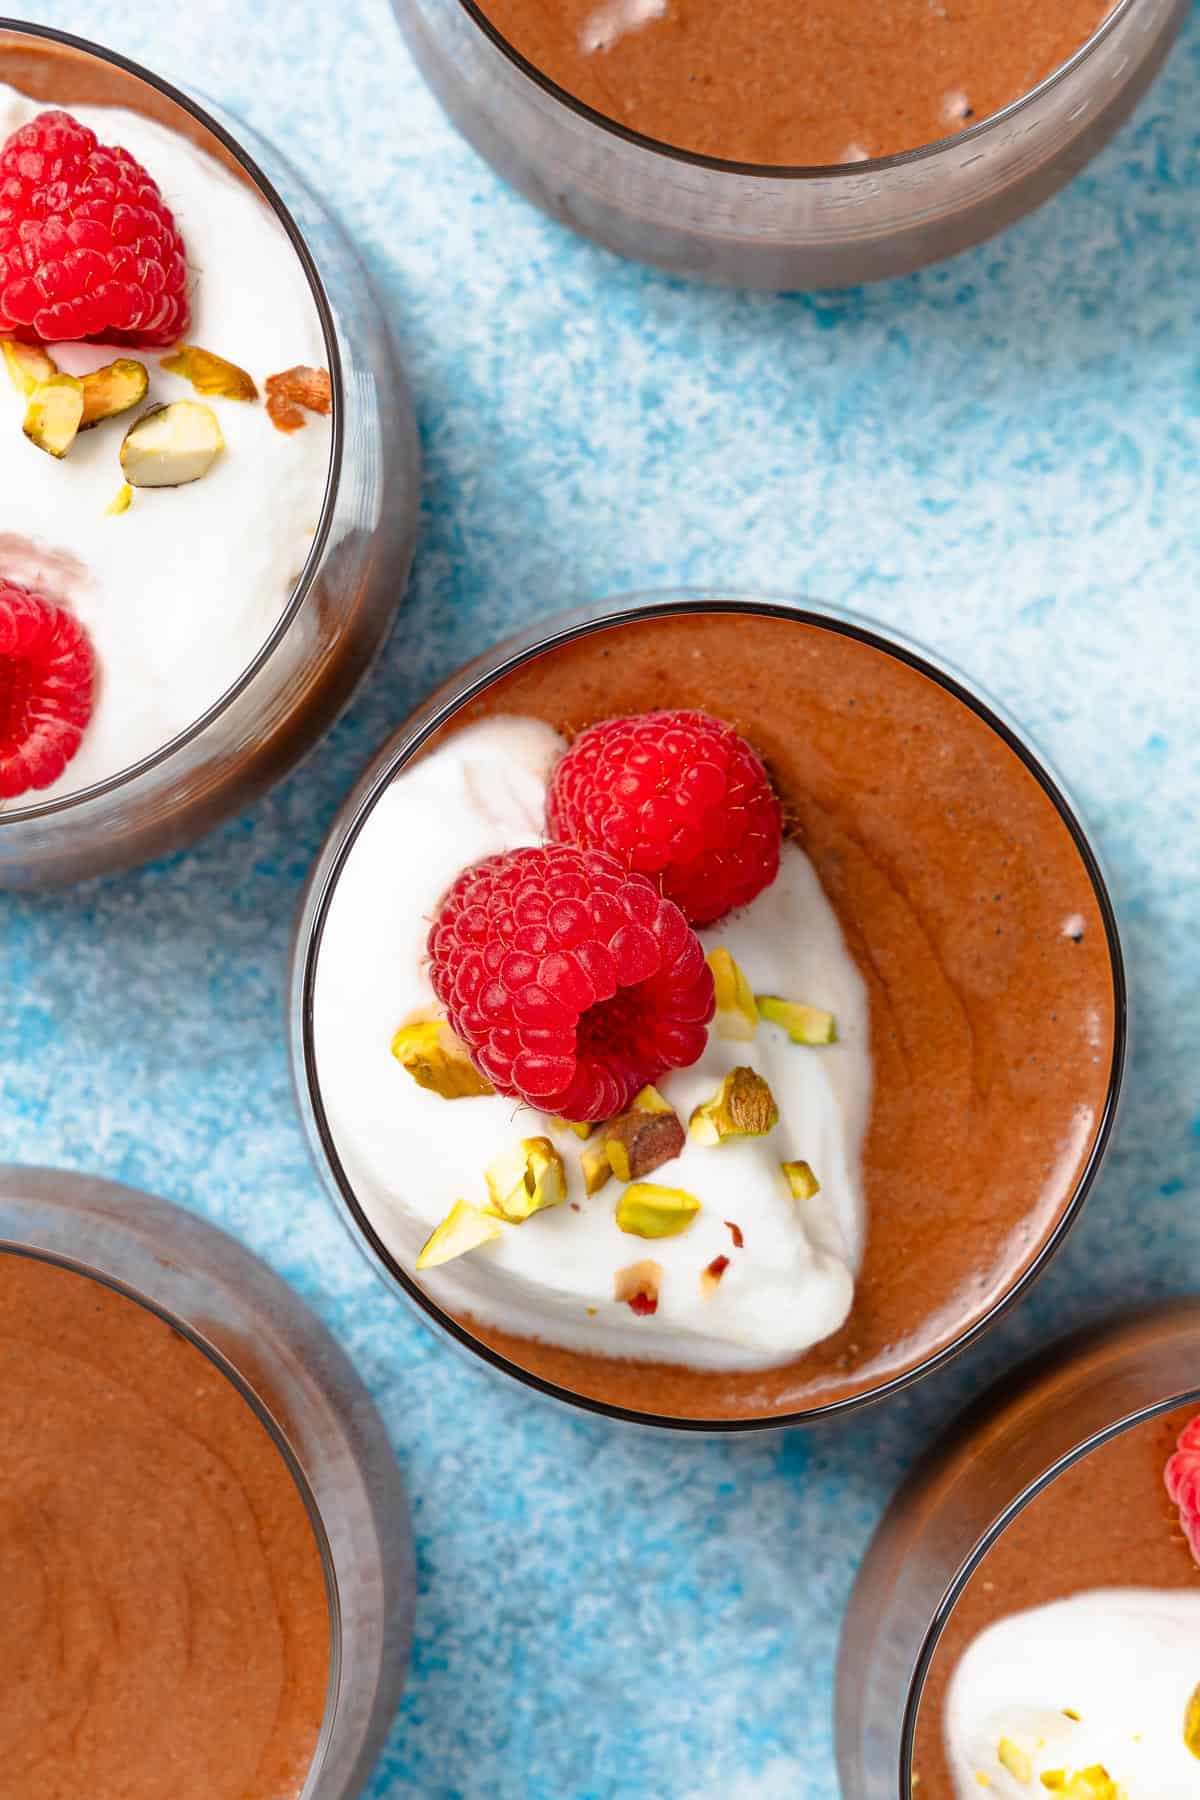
[781, 228]
[778, 648]
[354, 579]
[1002, 1455]
[307, 1394]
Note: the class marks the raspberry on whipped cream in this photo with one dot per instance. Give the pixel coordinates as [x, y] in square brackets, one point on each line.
[173, 538]
[573, 984]
[711, 1262]
[46, 682]
[675, 795]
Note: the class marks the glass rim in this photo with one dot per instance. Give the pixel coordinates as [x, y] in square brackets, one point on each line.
[116, 1284]
[403, 744]
[47, 809]
[792, 172]
[1008, 1515]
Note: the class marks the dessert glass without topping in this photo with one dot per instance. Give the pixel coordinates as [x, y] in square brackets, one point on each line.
[952, 870]
[232, 1322]
[195, 723]
[1033, 1568]
[754, 225]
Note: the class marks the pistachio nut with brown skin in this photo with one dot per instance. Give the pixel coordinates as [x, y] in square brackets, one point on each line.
[112, 390]
[743, 1106]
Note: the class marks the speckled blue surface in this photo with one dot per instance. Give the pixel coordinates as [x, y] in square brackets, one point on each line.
[1001, 457]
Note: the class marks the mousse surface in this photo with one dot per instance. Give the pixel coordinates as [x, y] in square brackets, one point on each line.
[164, 1631]
[763, 82]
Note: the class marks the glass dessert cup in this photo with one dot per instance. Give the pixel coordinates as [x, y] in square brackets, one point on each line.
[303, 1390]
[968, 919]
[781, 228]
[326, 635]
[968, 1512]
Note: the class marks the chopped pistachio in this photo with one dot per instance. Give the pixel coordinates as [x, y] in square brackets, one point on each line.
[743, 1106]
[526, 1179]
[582, 1129]
[52, 414]
[1092, 1784]
[801, 1180]
[597, 1170]
[438, 1060]
[1191, 1723]
[1018, 1762]
[649, 1100]
[170, 446]
[647, 1211]
[121, 500]
[28, 365]
[112, 390]
[464, 1228]
[737, 1013]
[642, 1140]
[210, 374]
[803, 1024]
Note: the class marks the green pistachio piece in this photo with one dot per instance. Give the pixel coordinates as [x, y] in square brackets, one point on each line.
[464, 1228]
[647, 1211]
[803, 1024]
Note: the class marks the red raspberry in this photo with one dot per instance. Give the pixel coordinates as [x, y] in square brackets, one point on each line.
[46, 678]
[88, 247]
[572, 984]
[1182, 1475]
[675, 795]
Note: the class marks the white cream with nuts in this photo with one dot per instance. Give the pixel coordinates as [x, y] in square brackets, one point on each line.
[569, 1273]
[178, 587]
[1096, 1697]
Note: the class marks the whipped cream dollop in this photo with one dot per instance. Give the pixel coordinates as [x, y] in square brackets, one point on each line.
[1103, 1679]
[410, 1154]
[179, 593]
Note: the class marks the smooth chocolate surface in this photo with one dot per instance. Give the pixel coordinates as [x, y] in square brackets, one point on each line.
[1106, 1522]
[769, 82]
[164, 1627]
[971, 913]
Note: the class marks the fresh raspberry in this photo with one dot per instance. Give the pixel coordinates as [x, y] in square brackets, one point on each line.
[572, 984]
[46, 677]
[88, 247]
[1182, 1475]
[678, 796]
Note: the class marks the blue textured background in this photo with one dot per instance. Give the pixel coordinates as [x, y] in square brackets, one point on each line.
[1001, 456]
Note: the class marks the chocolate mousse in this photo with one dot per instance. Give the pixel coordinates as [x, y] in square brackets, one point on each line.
[992, 1005]
[164, 1632]
[1104, 1536]
[830, 82]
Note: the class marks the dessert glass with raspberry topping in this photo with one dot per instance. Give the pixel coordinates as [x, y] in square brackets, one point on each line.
[196, 494]
[1027, 1619]
[626, 980]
